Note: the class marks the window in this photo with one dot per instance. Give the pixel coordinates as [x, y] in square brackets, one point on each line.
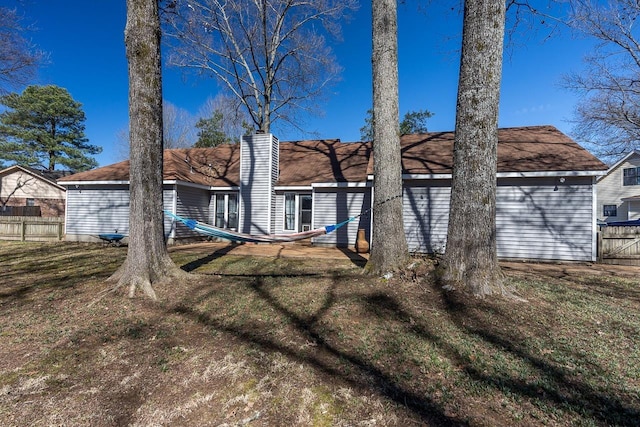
[226, 210]
[31, 202]
[289, 211]
[297, 212]
[305, 212]
[631, 176]
[610, 210]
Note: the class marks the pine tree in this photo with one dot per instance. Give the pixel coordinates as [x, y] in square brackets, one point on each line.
[44, 127]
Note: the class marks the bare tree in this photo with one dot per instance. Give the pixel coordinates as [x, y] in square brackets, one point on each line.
[178, 130]
[470, 260]
[235, 121]
[148, 260]
[8, 192]
[389, 249]
[270, 55]
[608, 116]
[178, 126]
[19, 59]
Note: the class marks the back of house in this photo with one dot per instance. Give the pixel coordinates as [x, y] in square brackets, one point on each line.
[545, 199]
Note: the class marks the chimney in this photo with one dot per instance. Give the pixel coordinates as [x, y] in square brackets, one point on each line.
[259, 159]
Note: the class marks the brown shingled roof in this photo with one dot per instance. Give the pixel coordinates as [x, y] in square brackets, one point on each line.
[306, 162]
[522, 149]
[216, 167]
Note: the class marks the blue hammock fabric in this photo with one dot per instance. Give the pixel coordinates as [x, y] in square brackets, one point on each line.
[210, 230]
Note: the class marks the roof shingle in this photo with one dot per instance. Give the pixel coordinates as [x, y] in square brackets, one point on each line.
[522, 149]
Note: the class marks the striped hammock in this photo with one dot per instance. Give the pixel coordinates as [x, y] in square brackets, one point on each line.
[211, 231]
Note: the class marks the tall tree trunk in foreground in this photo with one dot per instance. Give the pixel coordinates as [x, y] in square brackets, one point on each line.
[147, 261]
[388, 245]
[470, 259]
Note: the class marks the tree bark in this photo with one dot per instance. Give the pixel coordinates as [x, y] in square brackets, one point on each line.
[148, 260]
[388, 244]
[470, 260]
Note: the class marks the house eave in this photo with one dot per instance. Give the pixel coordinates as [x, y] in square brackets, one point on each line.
[341, 184]
[12, 169]
[78, 183]
[293, 187]
[227, 188]
[532, 174]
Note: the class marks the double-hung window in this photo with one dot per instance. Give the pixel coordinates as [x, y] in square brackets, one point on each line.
[631, 176]
[226, 210]
[609, 210]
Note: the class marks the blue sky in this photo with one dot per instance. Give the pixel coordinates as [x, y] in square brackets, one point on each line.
[84, 39]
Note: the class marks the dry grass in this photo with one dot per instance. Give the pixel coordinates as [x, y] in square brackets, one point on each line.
[263, 341]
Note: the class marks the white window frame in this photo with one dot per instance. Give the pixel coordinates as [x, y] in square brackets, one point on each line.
[225, 201]
[296, 221]
[295, 211]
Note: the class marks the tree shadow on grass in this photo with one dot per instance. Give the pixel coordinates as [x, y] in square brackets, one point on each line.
[550, 385]
[553, 385]
[194, 265]
[325, 356]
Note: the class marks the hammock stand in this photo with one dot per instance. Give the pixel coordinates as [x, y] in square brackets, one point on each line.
[211, 231]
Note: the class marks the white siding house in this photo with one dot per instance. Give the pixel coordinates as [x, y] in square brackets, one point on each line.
[619, 190]
[546, 204]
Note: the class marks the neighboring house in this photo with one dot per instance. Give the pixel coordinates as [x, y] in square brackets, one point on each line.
[545, 196]
[619, 190]
[27, 191]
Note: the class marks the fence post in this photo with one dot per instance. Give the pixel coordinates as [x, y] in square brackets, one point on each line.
[60, 227]
[23, 230]
[599, 246]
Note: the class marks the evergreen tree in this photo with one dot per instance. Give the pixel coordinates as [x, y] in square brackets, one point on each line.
[413, 122]
[210, 133]
[44, 127]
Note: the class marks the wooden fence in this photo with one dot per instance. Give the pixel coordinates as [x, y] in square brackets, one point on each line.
[31, 228]
[619, 245]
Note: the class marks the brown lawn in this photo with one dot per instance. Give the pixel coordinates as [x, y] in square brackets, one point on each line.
[301, 338]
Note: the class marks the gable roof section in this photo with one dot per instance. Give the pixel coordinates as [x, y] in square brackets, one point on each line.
[616, 165]
[302, 163]
[48, 177]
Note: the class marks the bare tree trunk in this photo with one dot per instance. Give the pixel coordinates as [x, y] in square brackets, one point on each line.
[147, 261]
[388, 244]
[470, 259]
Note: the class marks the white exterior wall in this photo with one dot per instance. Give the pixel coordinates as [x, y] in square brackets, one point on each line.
[426, 215]
[258, 168]
[334, 205]
[191, 203]
[533, 221]
[611, 192]
[98, 209]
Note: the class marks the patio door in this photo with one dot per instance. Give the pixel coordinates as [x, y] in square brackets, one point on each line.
[227, 211]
